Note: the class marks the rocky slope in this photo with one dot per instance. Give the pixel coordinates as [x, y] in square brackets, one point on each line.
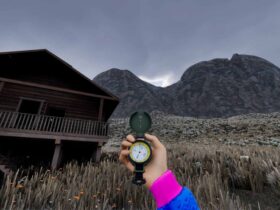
[242, 130]
[216, 88]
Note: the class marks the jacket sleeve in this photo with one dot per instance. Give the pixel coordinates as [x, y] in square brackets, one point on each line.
[170, 195]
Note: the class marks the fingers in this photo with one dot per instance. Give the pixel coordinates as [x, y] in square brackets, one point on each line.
[124, 159]
[130, 138]
[154, 140]
[123, 155]
[125, 144]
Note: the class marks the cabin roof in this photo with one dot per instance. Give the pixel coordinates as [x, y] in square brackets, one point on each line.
[46, 52]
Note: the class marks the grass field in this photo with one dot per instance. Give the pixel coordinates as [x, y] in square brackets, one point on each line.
[220, 176]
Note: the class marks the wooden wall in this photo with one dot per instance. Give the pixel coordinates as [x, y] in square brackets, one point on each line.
[76, 106]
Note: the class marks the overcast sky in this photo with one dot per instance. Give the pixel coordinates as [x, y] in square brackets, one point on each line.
[155, 39]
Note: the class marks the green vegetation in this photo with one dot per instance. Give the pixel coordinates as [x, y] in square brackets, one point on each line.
[220, 176]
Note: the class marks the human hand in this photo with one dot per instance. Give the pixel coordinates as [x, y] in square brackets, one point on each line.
[153, 169]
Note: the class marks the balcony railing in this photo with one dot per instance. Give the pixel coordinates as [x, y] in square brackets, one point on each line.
[50, 124]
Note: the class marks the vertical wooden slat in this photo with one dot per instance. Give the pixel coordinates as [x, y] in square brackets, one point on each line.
[101, 128]
[63, 125]
[80, 126]
[76, 131]
[88, 124]
[98, 132]
[58, 128]
[1, 118]
[89, 127]
[30, 122]
[45, 123]
[94, 128]
[22, 122]
[18, 120]
[7, 119]
[83, 126]
[37, 121]
[68, 125]
[72, 124]
[48, 119]
[55, 124]
[11, 120]
[42, 122]
[25, 121]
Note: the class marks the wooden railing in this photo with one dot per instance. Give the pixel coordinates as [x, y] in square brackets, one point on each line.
[51, 124]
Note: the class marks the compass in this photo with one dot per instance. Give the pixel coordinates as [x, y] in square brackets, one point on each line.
[140, 150]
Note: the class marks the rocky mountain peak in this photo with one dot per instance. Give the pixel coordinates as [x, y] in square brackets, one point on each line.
[219, 87]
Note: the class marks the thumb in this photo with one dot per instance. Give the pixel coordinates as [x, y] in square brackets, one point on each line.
[154, 140]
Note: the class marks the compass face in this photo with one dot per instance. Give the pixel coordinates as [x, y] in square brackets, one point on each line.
[140, 152]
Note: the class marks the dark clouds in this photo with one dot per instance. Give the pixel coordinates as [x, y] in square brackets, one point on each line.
[154, 39]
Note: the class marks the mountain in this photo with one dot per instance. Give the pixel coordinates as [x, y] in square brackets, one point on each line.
[215, 88]
[134, 93]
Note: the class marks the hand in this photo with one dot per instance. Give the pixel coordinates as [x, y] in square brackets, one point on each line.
[158, 164]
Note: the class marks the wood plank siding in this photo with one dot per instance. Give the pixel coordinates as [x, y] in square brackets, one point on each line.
[76, 106]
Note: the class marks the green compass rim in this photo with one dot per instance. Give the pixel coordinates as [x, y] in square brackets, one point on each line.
[136, 125]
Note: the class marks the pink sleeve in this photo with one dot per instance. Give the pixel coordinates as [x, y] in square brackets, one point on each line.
[165, 188]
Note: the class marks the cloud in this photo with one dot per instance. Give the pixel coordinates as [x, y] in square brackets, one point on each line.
[161, 81]
[159, 37]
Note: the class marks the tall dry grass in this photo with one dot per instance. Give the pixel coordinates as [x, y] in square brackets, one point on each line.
[213, 173]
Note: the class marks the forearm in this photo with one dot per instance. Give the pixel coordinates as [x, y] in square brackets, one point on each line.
[169, 194]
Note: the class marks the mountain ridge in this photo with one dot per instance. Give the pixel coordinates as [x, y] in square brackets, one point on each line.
[218, 87]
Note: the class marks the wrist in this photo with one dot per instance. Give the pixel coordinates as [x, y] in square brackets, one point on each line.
[152, 177]
[165, 188]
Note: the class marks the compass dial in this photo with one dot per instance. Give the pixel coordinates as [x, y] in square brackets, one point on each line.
[140, 152]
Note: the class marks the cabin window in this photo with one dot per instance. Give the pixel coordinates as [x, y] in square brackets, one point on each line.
[30, 106]
[55, 111]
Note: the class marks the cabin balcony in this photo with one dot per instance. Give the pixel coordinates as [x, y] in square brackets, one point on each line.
[16, 124]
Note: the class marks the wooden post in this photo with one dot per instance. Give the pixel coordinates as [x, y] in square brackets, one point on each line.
[57, 154]
[97, 152]
[100, 109]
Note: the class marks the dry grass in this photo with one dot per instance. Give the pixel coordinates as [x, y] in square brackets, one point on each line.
[213, 173]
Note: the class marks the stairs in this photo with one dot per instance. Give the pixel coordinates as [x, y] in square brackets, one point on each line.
[5, 166]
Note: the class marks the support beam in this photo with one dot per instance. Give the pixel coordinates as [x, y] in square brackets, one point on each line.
[96, 153]
[57, 154]
[100, 109]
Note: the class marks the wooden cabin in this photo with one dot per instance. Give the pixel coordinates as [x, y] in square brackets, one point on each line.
[49, 112]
